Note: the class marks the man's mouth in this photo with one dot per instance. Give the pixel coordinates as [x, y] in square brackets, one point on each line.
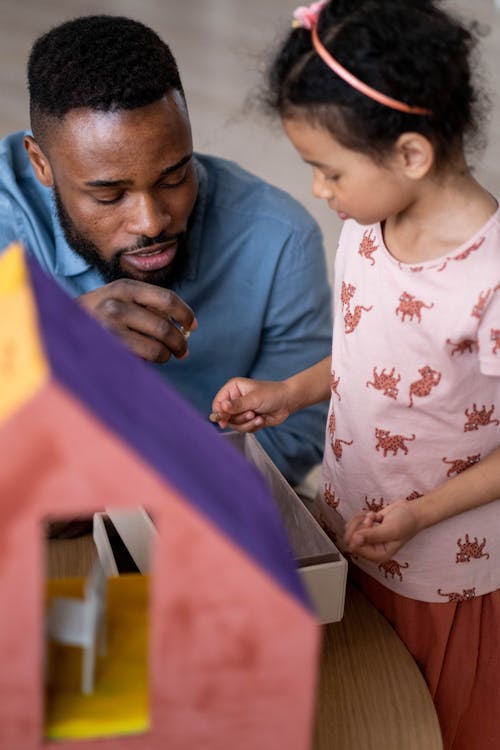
[152, 258]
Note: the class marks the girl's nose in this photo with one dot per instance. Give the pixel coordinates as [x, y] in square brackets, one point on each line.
[321, 188]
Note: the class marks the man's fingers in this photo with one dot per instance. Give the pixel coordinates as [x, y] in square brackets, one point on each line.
[164, 301]
[126, 306]
[161, 336]
[145, 347]
[156, 298]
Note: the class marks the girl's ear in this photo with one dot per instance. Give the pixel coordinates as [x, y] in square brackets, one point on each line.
[415, 155]
[39, 162]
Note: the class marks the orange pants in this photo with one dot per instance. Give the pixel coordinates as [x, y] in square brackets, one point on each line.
[457, 647]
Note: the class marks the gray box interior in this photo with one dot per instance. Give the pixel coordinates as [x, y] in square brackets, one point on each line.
[310, 544]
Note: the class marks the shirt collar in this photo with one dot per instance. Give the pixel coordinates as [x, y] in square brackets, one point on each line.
[196, 221]
[69, 263]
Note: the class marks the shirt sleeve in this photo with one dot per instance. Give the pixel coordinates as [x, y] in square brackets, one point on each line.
[489, 336]
[297, 333]
[10, 228]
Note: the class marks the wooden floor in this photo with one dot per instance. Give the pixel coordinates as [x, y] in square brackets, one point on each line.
[220, 46]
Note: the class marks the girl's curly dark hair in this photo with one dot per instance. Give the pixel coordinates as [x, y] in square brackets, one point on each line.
[409, 49]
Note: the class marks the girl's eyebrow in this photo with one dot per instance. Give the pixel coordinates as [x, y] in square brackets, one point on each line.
[119, 183]
[317, 164]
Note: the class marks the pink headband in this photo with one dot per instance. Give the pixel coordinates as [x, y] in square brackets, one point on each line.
[307, 17]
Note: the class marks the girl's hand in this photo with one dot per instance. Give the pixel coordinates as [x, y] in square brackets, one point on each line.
[247, 405]
[378, 536]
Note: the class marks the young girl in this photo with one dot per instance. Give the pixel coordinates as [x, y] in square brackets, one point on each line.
[376, 96]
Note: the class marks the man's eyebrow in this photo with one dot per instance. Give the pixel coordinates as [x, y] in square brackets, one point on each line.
[118, 183]
[179, 164]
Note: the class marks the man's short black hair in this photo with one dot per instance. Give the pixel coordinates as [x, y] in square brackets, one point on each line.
[99, 62]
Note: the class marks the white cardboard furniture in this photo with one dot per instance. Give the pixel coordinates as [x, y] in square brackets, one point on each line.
[82, 622]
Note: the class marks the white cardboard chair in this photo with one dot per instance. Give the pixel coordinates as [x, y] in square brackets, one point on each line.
[82, 622]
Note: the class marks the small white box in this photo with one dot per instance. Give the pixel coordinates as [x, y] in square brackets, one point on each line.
[321, 566]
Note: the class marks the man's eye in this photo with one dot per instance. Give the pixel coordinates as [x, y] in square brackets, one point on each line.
[174, 181]
[108, 201]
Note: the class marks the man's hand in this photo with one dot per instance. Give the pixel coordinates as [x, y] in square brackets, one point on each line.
[153, 322]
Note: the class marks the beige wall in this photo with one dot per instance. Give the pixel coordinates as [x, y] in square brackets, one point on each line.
[220, 46]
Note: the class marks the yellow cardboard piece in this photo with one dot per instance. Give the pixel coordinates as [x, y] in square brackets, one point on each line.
[23, 367]
[119, 703]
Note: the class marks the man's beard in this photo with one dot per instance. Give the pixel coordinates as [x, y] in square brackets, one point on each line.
[112, 270]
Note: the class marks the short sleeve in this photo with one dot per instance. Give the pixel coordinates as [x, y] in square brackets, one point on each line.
[489, 336]
[10, 229]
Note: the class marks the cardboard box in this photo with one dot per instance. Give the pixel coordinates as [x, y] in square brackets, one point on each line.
[321, 566]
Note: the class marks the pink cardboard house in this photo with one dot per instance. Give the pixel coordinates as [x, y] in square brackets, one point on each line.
[84, 425]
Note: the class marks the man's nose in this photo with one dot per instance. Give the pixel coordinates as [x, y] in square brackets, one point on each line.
[148, 217]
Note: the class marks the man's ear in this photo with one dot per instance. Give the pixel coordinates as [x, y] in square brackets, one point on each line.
[39, 162]
[415, 155]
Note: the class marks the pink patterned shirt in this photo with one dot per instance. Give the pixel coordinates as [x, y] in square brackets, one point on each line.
[415, 400]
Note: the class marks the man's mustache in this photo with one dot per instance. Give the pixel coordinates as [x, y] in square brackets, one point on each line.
[145, 242]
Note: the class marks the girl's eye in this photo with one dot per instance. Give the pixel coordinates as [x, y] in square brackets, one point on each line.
[331, 177]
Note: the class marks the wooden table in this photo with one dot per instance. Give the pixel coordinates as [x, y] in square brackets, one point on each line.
[371, 695]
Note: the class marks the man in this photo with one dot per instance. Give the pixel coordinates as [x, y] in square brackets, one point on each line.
[107, 194]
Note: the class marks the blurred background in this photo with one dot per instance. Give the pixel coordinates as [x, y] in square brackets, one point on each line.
[221, 47]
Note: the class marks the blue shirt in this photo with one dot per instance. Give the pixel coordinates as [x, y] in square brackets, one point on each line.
[256, 280]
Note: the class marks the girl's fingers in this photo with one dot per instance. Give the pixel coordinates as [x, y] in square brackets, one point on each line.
[247, 422]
